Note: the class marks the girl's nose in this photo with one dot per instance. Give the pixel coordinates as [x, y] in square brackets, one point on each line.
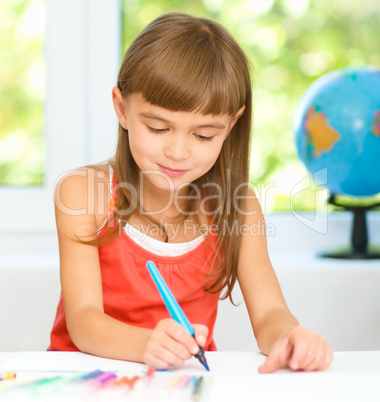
[177, 148]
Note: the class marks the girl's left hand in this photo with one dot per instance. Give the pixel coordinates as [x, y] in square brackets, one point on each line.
[300, 349]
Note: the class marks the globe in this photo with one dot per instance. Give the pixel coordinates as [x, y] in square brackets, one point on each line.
[337, 128]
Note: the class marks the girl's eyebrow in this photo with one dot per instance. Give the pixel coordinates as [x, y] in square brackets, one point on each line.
[151, 116]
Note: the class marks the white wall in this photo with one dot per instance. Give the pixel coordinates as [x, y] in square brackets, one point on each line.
[340, 299]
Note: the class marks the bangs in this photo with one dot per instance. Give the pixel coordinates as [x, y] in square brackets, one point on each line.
[189, 71]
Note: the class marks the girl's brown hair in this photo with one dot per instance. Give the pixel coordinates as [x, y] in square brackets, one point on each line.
[184, 63]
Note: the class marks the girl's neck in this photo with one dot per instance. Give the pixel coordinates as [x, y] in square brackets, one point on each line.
[162, 204]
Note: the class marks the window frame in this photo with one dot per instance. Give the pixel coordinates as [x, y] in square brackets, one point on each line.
[87, 34]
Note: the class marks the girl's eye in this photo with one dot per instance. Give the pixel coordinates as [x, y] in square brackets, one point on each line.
[157, 130]
[163, 130]
[203, 138]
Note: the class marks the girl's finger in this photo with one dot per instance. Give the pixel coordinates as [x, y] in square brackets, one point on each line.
[180, 335]
[303, 353]
[322, 359]
[315, 357]
[155, 361]
[277, 357]
[201, 332]
[168, 354]
[316, 363]
[329, 359]
[175, 347]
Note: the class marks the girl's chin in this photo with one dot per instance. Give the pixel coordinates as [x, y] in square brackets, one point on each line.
[168, 184]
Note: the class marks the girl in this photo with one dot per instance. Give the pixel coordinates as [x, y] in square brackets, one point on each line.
[178, 195]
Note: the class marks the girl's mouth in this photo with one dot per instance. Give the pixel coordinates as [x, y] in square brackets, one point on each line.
[172, 172]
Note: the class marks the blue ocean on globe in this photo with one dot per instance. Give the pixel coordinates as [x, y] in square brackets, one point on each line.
[337, 127]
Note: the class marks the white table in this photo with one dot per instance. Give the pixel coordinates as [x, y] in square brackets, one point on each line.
[353, 376]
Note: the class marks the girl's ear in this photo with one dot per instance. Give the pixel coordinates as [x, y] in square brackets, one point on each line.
[237, 116]
[119, 105]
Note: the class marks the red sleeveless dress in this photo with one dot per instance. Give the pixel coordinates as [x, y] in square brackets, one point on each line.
[130, 295]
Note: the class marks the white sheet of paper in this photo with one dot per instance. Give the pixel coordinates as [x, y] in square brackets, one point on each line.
[66, 361]
[221, 362]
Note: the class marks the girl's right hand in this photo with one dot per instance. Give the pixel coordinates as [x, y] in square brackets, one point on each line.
[170, 344]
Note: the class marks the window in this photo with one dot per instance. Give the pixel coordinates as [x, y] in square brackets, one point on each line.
[81, 60]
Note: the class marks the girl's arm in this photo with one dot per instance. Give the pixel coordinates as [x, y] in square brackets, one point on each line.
[91, 330]
[277, 331]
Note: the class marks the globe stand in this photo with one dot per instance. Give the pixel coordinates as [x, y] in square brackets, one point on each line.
[359, 249]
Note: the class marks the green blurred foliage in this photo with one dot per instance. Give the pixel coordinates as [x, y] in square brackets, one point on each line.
[22, 74]
[290, 43]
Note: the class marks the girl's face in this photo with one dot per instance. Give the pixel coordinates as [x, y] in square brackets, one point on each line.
[172, 149]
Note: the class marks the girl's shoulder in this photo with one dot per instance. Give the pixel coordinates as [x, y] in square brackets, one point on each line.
[83, 182]
[82, 195]
[251, 205]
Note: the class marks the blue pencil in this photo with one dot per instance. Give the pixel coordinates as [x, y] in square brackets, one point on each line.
[174, 308]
